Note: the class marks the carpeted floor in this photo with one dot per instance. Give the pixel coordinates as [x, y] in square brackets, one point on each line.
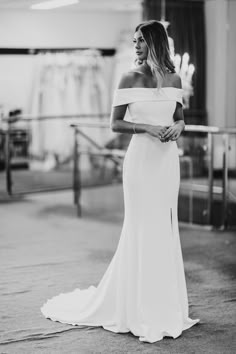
[45, 249]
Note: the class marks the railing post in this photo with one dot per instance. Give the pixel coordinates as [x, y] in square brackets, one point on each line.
[76, 174]
[210, 176]
[8, 159]
[225, 181]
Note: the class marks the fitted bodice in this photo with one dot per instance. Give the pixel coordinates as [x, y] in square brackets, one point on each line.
[149, 105]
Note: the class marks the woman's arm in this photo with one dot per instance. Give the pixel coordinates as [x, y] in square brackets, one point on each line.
[118, 113]
[179, 116]
[118, 124]
[175, 130]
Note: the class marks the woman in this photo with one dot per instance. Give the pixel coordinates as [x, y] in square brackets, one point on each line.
[143, 290]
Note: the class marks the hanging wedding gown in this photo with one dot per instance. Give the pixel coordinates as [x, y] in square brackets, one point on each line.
[67, 83]
[143, 290]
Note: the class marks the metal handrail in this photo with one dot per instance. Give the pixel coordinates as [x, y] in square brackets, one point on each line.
[33, 118]
[209, 129]
[99, 123]
[188, 127]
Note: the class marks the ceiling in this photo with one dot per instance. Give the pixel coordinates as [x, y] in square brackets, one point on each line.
[101, 5]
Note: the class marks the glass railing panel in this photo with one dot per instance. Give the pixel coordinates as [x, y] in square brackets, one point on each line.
[100, 153]
[194, 191]
[2, 164]
[40, 161]
[34, 167]
[223, 201]
[231, 186]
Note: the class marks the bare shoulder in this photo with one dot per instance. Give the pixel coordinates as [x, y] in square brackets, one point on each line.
[175, 80]
[128, 79]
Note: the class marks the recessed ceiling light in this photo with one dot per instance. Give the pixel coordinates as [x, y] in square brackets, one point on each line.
[53, 4]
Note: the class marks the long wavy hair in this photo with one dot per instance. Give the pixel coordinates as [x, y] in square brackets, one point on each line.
[158, 57]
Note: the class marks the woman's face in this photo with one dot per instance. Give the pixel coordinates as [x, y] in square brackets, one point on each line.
[140, 46]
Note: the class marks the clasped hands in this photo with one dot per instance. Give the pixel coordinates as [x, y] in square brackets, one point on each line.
[166, 133]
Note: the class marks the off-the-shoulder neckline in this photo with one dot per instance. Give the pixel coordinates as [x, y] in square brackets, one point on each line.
[150, 88]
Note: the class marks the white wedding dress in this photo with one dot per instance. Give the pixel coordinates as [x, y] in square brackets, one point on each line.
[143, 290]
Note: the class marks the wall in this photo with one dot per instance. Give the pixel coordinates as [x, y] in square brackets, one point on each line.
[216, 32]
[63, 29]
[221, 58]
[230, 66]
[16, 73]
[221, 78]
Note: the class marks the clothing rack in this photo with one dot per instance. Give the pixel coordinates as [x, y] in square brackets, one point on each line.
[34, 51]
